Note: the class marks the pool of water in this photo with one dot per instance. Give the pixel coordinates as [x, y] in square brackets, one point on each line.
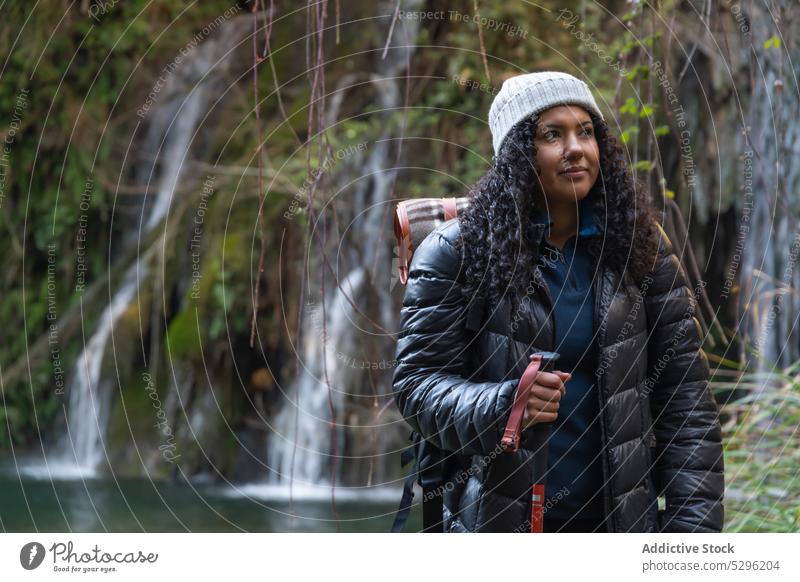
[30, 504]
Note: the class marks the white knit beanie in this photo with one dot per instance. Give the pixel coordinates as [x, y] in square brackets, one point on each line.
[523, 95]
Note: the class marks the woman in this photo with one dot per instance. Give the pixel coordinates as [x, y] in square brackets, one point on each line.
[559, 252]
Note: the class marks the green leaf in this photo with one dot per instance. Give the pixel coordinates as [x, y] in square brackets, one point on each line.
[772, 42]
[629, 131]
[662, 130]
[647, 111]
[629, 106]
[643, 166]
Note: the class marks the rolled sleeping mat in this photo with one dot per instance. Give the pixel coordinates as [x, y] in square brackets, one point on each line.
[415, 219]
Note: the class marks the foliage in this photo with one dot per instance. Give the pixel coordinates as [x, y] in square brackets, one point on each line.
[762, 452]
[80, 73]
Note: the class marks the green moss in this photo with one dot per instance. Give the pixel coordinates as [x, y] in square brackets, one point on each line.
[182, 335]
[131, 420]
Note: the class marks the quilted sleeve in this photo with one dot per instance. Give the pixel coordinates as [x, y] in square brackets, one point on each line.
[430, 388]
[688, 464]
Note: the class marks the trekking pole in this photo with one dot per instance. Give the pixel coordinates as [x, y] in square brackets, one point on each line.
[539, 434]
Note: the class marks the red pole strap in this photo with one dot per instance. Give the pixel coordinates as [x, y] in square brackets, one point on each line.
[511, 434]
[537, 508]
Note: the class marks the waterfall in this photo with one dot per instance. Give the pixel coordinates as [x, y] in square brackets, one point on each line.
[311, 410]
[89, 408]
[190, 89]
[305, 464]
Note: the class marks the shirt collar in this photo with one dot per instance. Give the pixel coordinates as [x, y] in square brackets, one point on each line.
[587, 226]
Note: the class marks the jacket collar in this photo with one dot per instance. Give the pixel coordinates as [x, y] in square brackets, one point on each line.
[588, 225]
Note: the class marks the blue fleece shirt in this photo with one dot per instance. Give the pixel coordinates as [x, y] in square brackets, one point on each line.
[574, 481]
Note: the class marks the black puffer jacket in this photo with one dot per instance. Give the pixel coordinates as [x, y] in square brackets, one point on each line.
[458, 369]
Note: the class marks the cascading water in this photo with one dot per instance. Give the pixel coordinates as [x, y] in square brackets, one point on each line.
[310, 464]
[88, 410]
[303, 464]
[189, 90]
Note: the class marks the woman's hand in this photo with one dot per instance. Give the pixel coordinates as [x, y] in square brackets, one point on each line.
[544, 398]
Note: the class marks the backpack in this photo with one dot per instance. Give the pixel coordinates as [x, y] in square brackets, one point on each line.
[413, 220]
[416, 218]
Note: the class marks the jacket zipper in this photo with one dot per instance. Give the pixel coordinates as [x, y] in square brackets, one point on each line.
[600, 396]
[601, 399]
[550, 315]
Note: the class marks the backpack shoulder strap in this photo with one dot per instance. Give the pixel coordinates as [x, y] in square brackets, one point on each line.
[404, 509]
[432, 502]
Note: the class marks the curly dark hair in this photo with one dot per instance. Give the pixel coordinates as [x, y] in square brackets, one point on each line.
[497, 239]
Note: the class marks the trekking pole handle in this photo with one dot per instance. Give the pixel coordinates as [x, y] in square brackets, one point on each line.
[511, 434]
[540, 361]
